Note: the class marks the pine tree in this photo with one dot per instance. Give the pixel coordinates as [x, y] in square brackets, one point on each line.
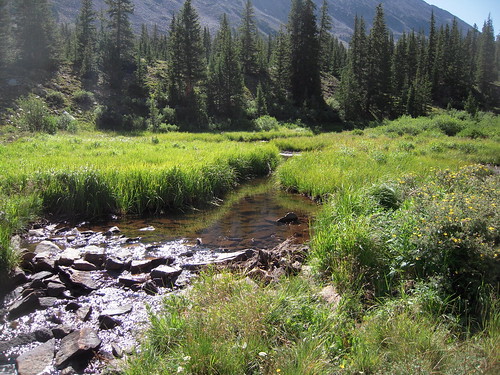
[325, 38]
[36, 34]
[85, 40]
[280, 68]
[379, 83]
[4, 32]
[225, 82]
[118, 51]
[497, 56]
[352, 93]
[486, 68]
[304, 54]
[248, 41]
[261, 102]
[207, 43]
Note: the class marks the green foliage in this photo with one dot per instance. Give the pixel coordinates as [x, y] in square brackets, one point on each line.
[84, 99]
[34, 115]
[55, 99]
[266, 123]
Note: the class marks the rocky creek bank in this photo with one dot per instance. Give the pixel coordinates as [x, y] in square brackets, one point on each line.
[80, 299]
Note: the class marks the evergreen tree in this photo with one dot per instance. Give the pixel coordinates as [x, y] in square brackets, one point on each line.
[4, 32]
[260, 99]
[225, 82]
[36, 34]
[497, 56]
[280, 68]
[85, 40]
[487, 72]
[118, 51]
[379, 83]
[325, 38]
[352, 93]
[304, 54]
[207, 43]
[248, 41]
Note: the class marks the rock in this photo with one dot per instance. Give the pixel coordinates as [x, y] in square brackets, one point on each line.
[290, 217]
[47, 247]
[116, 350]
[36, 233]
[150, 288]
[16, 277]
[120, 310]
[44, 262]
[13, 82]
[84, 313]
[55, 289]
[43, 335]
[95, 255]
[46, 302]
[76, 345]
[132, 281]
[68, 257]
[61, 331]
[79, 279]
[187, 254]
[26, 260]
[199, 241]
[36, 360]
[111, 231]
[141, 266]
[108, 322]
[41, 275]
[147, 229]
[115, 264]
[82, 265]
[165, 274]
[72, 306]
[23, 306]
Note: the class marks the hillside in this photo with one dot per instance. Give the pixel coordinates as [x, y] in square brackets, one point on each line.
[401, 15]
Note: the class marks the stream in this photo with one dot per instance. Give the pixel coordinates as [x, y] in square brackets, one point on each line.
[88, 288]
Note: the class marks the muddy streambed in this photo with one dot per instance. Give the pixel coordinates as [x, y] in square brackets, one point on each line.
[84, 296]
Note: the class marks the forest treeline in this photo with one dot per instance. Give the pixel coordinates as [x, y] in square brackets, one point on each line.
[193, 80]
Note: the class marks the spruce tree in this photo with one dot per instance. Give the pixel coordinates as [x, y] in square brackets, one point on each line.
[225, 82]
[118, 50]
[379, 83]
[486, 68]
[36, 34]
[260, 100]
[352, 94]
[86, 40]
[304, 54]
[248, 40]
[325, 38]
[279, 69]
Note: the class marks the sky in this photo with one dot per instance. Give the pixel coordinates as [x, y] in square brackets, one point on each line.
[472, 11]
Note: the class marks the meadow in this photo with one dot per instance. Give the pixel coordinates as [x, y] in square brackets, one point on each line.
[408, 238]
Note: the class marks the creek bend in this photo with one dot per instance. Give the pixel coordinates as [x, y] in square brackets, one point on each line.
[246, 219]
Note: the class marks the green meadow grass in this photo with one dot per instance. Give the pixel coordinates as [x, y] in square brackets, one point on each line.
[408, 236]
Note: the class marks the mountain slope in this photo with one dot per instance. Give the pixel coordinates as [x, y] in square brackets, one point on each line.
[401, 15]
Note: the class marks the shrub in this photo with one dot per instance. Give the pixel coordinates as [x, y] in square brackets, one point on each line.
[266, 123]
[448, 125]
[84, 98]
[34, 115]
[64, 121]
[55, 98]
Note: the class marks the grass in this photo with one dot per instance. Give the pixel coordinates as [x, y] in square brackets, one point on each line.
[408, 236]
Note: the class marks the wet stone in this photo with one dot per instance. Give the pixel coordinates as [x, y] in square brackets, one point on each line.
[47, 247]
[72, 306]
[8, 370]
[44, 262]
[290, 217]
[68, 256]
[131, 281]
[77, 345]
[80, 279]
[95, 255]
[17, 277]
[82, 265]
[36, 233]
[55, 289]
[141, 266]
[166, 274]
[150, 288]
[116, 350]
[112, 230]
[115, 264]
[41, 275]
[36, 360]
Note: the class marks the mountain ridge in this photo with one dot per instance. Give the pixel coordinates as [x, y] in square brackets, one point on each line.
[401, 15]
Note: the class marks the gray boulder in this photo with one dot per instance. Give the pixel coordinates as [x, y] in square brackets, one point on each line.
[35, 361]
[76, 345]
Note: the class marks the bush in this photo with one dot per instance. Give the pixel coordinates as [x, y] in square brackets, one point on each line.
[84, 98]
[266, 123]
[64, 121]
[34, 116]
[55, 98]
[449, 125]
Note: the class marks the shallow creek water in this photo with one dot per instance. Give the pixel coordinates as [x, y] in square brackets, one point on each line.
[246, 219]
